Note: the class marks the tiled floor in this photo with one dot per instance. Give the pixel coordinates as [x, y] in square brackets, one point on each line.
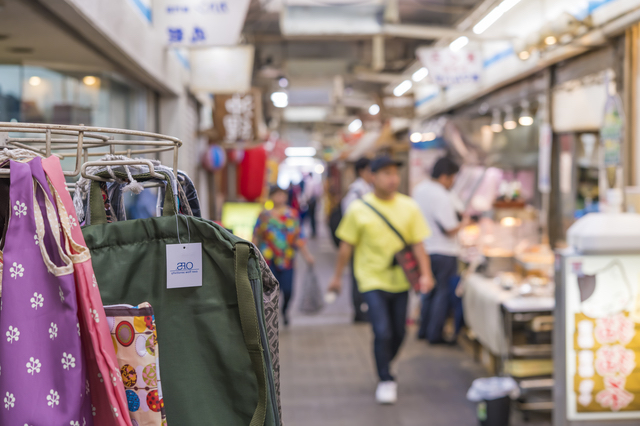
[328, 375]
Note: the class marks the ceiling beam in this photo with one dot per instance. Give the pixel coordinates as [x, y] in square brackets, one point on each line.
[417, 32]
[427, 32]
[380, 78]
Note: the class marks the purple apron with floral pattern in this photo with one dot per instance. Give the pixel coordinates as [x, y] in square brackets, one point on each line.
[42, 369]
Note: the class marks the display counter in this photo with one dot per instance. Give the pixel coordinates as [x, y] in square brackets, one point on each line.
[485, 303]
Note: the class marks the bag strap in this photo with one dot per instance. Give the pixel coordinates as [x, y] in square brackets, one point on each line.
[96, 203]
[250, 329]
[386, 221]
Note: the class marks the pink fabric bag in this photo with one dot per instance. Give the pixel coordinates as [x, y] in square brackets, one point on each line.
[108, 399]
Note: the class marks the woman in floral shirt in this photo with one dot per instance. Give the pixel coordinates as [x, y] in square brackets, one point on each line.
[277, 234]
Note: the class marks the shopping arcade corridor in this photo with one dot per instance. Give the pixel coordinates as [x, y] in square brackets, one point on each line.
[328, 374]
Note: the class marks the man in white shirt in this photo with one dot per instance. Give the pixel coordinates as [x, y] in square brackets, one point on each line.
[438, 208]
[361, 186]
[358, 189]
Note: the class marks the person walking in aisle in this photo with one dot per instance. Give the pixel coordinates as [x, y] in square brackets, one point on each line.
[438, 209]
[358, 189]
[374, 244]
[313, 192]
[277, 235]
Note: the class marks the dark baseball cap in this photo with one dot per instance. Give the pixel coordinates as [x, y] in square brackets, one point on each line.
[383, 161]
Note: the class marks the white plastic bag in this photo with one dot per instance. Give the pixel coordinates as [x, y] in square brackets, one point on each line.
[312, 298]
[490, 388]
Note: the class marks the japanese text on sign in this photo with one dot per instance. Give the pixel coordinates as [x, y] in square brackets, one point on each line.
[447, 67]
[201, 22]
[238, 123]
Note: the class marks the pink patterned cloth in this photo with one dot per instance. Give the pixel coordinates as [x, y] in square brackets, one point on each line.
[108, 399]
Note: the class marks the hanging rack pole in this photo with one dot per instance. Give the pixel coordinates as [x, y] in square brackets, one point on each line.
[78, 156]
[91, 142]
[139, 162]
[175, 161]
[34, 149]
[15, 128]
[53, 127]
[48, 141]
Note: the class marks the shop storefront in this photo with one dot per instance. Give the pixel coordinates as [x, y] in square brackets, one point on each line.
[537, 155]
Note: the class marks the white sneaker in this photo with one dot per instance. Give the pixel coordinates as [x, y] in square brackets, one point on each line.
[387, 392]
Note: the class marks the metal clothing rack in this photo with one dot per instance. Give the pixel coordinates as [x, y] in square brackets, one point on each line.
[85, 142]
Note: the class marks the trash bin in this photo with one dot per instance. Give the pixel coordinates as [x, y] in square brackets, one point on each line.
[493, 396]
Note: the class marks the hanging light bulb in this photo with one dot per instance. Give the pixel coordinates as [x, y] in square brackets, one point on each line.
[496, 122]
[525, 115]
[509, 120]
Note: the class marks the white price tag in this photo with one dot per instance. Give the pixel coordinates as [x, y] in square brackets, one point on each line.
[184, 265]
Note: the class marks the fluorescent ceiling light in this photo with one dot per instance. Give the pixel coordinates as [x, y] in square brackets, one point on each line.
[280, 99]
[415, 137]
[300, 162]
[306, 114]
[300, 151]
[402, 88]
[374, 109]
[420, 74]
[459, 43]
[494, 15]
[355, 125]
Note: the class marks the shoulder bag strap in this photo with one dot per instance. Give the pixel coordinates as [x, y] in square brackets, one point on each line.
[386, 221]
[250, 330]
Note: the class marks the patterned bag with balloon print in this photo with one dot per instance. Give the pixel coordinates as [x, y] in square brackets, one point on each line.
[135, 339]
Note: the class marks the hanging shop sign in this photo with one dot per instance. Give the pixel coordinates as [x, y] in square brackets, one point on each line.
[221, 69]
[544, 159]
[602, 337]
[201, 22]
[611, 134]
[447, 68]
[236, 116]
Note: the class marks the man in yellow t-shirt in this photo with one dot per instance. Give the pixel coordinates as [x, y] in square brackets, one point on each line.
[373, 243]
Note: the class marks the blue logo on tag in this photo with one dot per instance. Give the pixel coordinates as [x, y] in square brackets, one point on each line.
[184, 265]
[184, 268]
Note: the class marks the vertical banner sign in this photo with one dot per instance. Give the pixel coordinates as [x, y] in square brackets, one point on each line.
[201, 22]
[448, 68]
[544, 160]
[611, 134]
[602, 337]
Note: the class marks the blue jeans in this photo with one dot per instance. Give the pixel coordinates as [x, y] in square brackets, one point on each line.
[438, 302]
[285, 278]
[388, 316]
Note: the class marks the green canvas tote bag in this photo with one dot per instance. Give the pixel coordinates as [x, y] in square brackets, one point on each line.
[215, 363]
